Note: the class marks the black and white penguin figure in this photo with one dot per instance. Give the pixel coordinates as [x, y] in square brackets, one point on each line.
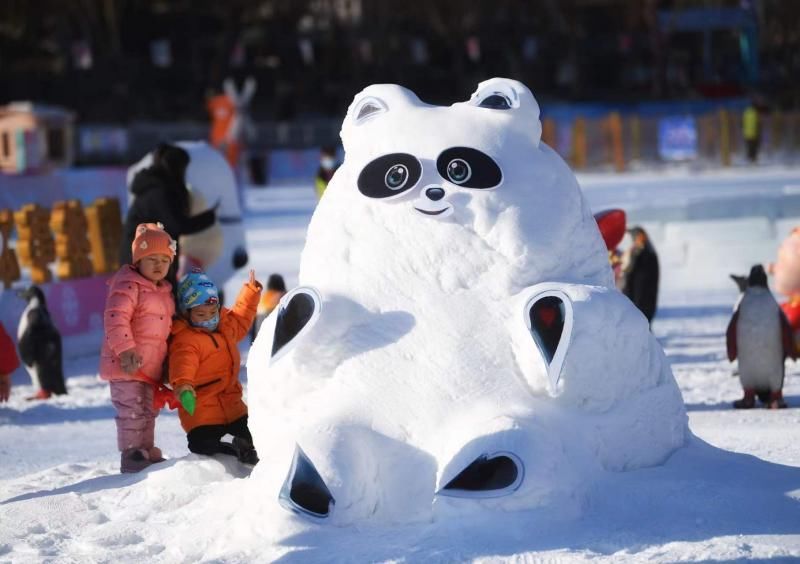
[760, 336]
[39, 345]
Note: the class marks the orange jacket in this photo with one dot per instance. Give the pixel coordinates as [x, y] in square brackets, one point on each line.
[209, 362]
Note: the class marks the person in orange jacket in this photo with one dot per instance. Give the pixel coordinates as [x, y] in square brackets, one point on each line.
[204, 366]
[9, 362]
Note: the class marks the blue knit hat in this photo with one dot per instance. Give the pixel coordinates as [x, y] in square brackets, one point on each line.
[196, 289]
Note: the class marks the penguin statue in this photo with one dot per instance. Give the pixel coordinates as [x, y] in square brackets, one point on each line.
[39, 345]
[760, 336]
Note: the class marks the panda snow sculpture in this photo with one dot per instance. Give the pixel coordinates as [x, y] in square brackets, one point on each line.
[456, 343]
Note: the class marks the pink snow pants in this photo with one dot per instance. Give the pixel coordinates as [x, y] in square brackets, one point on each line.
[136, 416]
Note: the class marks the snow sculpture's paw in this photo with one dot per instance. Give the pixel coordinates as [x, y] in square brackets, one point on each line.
[294, 317]
[549, 319]
[343, 474]
[611, 367]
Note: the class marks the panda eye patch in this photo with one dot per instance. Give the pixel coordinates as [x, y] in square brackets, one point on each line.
[389, 175]
[468, 168]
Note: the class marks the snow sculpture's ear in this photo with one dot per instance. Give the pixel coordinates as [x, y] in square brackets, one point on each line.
[296, 314]
[548, 316]
[497, 94]
[367, 108]
[503, 96]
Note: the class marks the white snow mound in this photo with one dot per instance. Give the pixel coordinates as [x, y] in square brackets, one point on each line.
[466, 348]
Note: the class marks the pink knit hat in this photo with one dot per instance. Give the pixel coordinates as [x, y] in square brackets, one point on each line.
[151, 239]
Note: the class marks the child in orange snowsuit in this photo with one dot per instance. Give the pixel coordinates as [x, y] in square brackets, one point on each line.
[204, 364]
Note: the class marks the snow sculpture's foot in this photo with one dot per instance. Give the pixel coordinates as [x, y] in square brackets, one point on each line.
[304, 490]
[40, 395]
[776, 400]
[134, 460]
[747, 402]
[487, 476]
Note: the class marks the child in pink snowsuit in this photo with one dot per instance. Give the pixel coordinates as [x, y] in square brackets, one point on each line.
[137, 321]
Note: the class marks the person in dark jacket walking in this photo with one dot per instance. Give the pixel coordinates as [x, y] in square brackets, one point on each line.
[160, 195]
[640, 273]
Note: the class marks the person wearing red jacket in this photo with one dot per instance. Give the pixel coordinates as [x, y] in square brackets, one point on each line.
[9, 362]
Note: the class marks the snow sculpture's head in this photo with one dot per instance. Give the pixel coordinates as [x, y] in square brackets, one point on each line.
[437, 153]
[476, 169]
[459, 344]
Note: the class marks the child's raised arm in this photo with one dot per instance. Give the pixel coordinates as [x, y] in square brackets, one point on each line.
[243, 312]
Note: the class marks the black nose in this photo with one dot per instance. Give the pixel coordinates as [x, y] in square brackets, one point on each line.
[434, 194]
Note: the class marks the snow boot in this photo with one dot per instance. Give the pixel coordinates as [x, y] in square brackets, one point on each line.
[155, 455]
[748, 401]
[245, 451]
[776, 400]
[134, 460]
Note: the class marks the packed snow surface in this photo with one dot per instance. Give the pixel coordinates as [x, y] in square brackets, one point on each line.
[731, 493]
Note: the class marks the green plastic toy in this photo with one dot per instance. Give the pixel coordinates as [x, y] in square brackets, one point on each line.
[188, 401]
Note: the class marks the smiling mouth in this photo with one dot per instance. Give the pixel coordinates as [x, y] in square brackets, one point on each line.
[430, 212]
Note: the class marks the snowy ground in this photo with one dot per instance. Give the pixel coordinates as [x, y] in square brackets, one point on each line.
[731, 495]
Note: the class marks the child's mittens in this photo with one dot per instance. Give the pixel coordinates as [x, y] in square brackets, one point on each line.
[188, 401]
[187, 397]
[130, 361]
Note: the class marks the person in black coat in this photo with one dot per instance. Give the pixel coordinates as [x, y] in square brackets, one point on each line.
[641, 273]
[161, 196]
